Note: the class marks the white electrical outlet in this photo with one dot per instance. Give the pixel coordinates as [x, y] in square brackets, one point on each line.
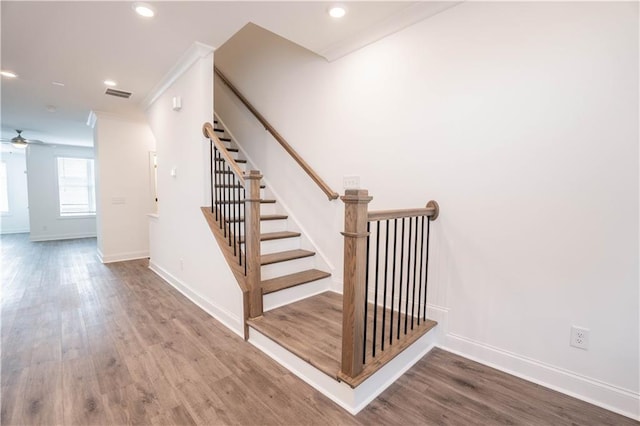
[579, 337]
[351, 182]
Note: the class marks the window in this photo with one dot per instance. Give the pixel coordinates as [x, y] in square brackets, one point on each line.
[4, 190]
[75, 186]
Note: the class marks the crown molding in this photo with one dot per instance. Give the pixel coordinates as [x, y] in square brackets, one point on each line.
[400, 20]
[195, 52]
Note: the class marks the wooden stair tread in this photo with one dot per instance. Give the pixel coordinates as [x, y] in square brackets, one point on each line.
[292, 280]
[241, 160]
[268, 236]
[236, 186]
[263, 217]
[225, 140]
[266, 201]
[218, 130]
[283, 256]
[312, 330]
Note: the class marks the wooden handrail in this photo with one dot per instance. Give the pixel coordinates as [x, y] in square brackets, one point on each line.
[431, 210]
[207, 130]
[292, 152]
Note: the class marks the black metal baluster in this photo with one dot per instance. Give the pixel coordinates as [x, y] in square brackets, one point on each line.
[386, 272]
[400, 282]
[393, 278]
[224, 198]
[232, 207]
[375, 293]
[406, 304]
[212, 175]
[244, 197]
[229, 201]
[219, 189]
[415, 266]
[366, 296]
[421, 263]
[238, 223]
[426, 270]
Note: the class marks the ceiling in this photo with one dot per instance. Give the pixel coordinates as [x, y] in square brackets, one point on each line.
[82, 43]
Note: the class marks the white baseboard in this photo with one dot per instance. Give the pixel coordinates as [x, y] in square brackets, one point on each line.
[36, 238]
[121, 257]
[14, 231]
[607, 396]
[231, 321]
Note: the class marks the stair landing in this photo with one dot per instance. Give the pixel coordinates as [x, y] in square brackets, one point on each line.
[312, 330]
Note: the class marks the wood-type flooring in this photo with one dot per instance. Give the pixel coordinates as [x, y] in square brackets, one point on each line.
[89, 344]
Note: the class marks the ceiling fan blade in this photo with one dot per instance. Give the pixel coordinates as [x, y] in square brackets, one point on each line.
[28, 141]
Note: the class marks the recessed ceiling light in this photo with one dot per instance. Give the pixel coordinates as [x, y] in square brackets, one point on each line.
[10, 74]
[144, 9]
[57, 83]
[110, 83]
[337, 11]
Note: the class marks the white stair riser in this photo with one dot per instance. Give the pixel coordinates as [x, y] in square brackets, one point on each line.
[267, 226]
[290, 295]
[275, 246]
[285, 268]
[284, 244]
[265, 208]
[273, 226]
[215, 194]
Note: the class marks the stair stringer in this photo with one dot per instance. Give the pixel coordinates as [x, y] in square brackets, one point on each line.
[320, 260]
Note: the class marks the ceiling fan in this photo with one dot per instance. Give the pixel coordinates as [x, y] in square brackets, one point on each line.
[20, 142]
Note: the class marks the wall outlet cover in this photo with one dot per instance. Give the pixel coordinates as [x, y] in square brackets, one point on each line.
[579, 337]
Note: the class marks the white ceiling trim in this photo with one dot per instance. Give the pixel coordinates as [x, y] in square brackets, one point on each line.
[191, 56]
[400, 20]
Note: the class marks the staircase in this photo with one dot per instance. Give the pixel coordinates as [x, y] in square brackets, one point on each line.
[286, 261]
[372, 332]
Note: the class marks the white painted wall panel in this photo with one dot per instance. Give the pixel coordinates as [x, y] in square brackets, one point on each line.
[44, 213]
[17, 219]
[183, 249]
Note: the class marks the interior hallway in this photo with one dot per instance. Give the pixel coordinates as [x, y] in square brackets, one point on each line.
[87, 343]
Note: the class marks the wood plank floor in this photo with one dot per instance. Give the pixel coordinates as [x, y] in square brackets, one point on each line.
[85, 343]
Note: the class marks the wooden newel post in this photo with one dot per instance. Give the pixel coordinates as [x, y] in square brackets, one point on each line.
[252, 241]
[355, 263]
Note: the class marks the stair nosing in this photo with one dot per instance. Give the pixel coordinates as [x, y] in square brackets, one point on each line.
[316, 275]
[264, 201]
[299, 254]
[263, 217]
[268, 236]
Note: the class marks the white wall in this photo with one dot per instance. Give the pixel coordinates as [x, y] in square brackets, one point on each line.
[183, 249]
[124, 192]
[17, 219]
[521, 120]
[45, 221]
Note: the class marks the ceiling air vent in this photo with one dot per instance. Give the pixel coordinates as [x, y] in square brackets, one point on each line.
[118, 93]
